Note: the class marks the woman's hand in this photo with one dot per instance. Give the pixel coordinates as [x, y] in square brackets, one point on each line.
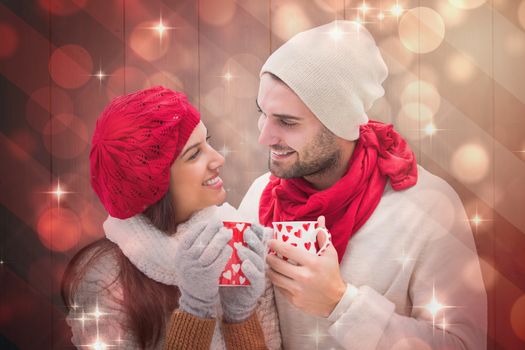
[238, 303]
[200, 259]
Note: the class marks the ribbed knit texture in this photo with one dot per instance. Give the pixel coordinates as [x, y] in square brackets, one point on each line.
[336, 69]
[244, 335]
[417, 242]
[188, 332]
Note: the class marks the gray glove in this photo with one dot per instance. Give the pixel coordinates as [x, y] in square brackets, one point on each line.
[200, 260]
[238, 303]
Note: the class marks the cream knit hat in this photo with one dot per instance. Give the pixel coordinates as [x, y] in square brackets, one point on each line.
[337, 71]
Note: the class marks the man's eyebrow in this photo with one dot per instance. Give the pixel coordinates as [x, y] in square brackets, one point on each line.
[284, 116]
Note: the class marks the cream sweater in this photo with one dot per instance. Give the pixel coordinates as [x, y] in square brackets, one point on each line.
[151, 251]
[416, 245]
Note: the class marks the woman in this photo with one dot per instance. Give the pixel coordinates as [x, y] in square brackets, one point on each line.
[152, 282]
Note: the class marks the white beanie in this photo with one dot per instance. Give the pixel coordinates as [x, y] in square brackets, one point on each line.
[336, 70]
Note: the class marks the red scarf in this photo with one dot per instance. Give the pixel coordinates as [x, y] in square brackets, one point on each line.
[380, 154]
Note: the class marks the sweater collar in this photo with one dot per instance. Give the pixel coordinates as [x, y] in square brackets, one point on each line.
[151, 250]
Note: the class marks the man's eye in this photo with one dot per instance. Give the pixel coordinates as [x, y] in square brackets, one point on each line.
[286, 123]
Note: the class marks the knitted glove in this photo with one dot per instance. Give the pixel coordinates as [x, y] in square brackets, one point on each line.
[200, 259]
[238, 303]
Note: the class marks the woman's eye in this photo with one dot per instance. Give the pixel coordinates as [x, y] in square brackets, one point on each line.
[194, 155]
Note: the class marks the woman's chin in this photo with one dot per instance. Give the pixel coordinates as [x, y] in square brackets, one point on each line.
[221, 197]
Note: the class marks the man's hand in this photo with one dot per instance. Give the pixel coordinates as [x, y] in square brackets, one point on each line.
[314, 285]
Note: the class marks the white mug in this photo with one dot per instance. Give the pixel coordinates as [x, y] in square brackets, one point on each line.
[302, 234]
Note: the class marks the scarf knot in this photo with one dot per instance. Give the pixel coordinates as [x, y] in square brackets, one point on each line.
[380, 154]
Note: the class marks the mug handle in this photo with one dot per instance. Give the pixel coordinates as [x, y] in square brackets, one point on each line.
[328, 239]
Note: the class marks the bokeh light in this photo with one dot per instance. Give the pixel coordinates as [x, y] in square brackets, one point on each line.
[421, 30]
[38, 106]
[62, 7]
[521, 14]
[217, 12]
[412, 119]
[92, 217]
[396, 56]
[133, 78]
[416, 112]
[467, 4]
[289, 20]
[9, 42]
[517, 317]
[470, 163]
[69, 136]
[147, 43]
[459, 68]
[452, 16]
[514, 44]
[410, 343]
[70, 66]
[421, 91]
[59, 229]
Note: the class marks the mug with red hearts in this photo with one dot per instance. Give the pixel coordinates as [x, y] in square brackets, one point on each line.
[232, 274]
[302, 234]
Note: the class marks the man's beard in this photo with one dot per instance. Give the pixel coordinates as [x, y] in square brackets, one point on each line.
[319, 157]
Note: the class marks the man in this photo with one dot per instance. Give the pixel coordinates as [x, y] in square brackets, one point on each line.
[395, 276]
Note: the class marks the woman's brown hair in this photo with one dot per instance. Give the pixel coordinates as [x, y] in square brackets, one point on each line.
[147, 313]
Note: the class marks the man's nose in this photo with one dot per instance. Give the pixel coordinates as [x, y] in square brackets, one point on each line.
[268, 135]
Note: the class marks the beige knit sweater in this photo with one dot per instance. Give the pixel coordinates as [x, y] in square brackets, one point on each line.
[151, 252]
[417, 247]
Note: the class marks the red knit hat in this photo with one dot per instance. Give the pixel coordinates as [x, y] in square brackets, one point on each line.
[136, 139]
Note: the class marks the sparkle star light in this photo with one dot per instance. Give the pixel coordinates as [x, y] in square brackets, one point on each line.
[82, 319]
[316, 335]
[364, 8]
[404, 260]
[434, 306]
[228, 76]
[477, 220]
[397, 10]
[336, 33]
[100, 75]
[161, 28]
[98, 345]
[225, 151]
[97, 313]
[58, 192]
[430, 129]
